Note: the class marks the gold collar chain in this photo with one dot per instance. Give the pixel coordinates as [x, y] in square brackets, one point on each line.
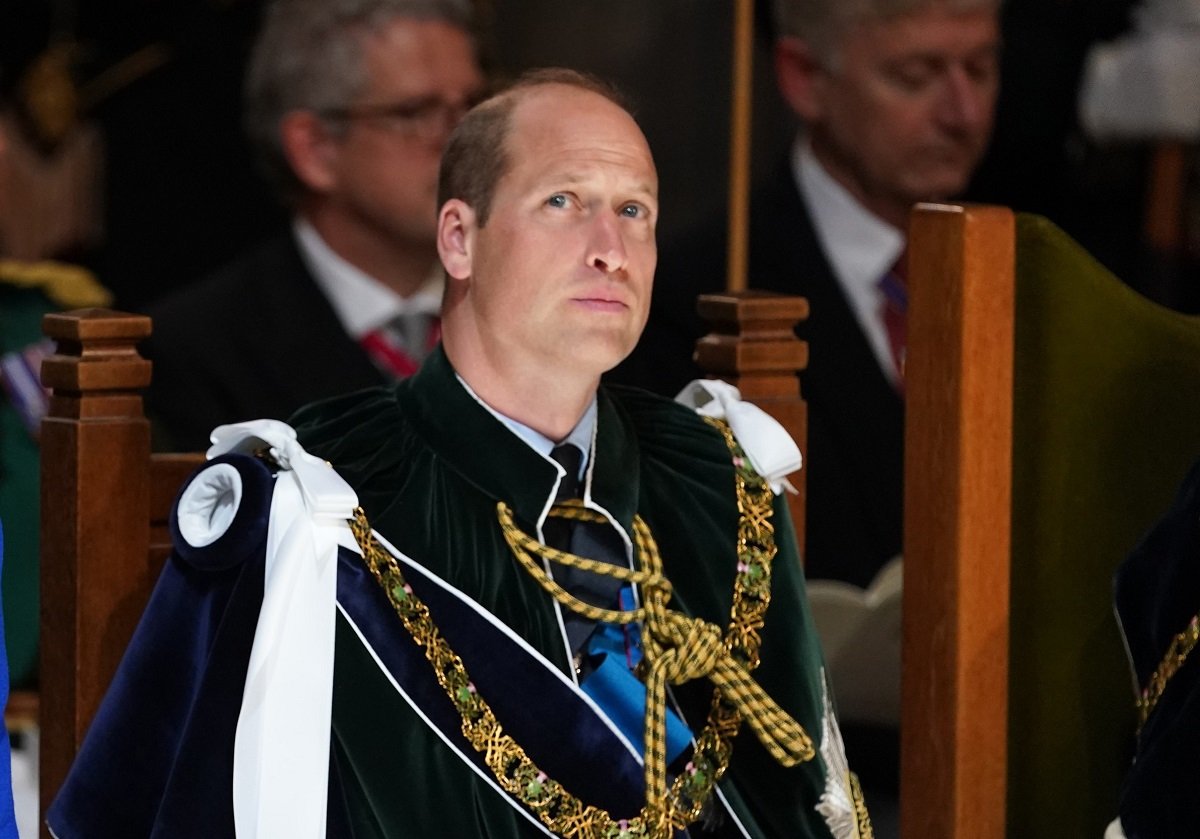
[664, 813]
[1177, 652]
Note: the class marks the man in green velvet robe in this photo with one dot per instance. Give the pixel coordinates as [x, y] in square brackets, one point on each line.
[655, 674]
[548, 199]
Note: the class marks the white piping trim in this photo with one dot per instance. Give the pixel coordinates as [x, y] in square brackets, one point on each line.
[729, 809]
[490, 781]
[513, 636]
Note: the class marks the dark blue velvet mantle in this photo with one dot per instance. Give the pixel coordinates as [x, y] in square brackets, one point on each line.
[158, 758]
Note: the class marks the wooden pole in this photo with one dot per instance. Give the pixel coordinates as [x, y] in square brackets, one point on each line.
[739, 145]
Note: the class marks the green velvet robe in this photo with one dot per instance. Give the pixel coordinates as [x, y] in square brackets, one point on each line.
[429, 464]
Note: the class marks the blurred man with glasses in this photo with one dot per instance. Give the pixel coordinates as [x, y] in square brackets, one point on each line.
[348, 105]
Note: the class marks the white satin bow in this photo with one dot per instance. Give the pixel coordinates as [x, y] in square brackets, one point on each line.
[770, 449]
[281, 750]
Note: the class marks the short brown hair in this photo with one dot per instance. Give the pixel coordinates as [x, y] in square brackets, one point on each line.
[476, 155]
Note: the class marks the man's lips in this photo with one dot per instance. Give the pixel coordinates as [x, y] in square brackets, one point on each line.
[601, 303]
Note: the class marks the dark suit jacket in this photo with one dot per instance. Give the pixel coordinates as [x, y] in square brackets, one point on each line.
[854, 456]
[257, 339]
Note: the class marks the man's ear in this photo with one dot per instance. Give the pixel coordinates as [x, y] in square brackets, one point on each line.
[456, 238]
[310, 150]
[800, 76]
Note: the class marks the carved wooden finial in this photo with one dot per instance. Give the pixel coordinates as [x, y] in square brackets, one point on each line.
[95, 370]
[753, 346]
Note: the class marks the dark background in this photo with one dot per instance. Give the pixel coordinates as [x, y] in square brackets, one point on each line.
[182, 195]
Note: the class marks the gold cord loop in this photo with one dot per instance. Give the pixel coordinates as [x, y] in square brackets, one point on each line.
[678, 648]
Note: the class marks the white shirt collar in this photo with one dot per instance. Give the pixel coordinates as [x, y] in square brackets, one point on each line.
[860, 246]
[361, 302]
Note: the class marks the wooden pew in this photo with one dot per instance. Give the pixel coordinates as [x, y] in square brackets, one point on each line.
[753, 346]
[1051, 413]
[105, 501]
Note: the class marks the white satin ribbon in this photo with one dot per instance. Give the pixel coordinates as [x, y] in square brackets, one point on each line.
[281, 750]
[770, 449]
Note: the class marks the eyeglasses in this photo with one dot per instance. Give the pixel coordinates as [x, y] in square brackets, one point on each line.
[428, 118]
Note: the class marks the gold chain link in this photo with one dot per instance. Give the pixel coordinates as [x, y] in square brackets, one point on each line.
[1177, 652]
[560, 811]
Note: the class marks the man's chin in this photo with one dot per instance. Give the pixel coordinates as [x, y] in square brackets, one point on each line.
[937, 187]
[943, 179]
[601, 353]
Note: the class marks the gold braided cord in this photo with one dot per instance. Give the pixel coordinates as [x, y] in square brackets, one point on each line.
[678, 648]
[1177, 652]
[524, 548]
[560, 811]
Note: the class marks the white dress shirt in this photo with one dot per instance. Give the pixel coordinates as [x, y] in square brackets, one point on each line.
[362, 303]
[860, 246]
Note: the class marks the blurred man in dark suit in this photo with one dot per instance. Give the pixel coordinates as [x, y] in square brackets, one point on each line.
[348, 103]
[896, 100]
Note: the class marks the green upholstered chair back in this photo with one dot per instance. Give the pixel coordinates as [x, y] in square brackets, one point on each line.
[1051, 414]
[1106, 422]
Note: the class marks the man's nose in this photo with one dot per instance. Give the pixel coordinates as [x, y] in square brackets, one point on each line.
[966, 102]
[606, 245]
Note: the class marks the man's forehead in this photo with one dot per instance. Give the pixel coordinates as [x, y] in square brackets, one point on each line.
[889, 15]
[934, 27]
[555, 112]
[636, 180]
[851, 12]
[422, 55]
[567, 150]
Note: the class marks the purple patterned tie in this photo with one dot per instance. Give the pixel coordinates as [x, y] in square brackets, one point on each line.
[895, 310]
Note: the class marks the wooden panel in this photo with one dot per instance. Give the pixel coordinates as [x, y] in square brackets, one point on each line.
[958, 478]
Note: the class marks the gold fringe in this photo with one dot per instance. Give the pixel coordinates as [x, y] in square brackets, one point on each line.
[67, 286]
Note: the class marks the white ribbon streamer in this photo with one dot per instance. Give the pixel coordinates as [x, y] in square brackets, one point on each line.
[770, 449]
[281, 750]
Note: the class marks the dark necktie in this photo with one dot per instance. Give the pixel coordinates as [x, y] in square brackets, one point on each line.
[557, 531]
[605, 654]
[587, 539]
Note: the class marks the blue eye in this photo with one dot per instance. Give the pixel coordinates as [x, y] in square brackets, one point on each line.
[557, 200]
[631, 211]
